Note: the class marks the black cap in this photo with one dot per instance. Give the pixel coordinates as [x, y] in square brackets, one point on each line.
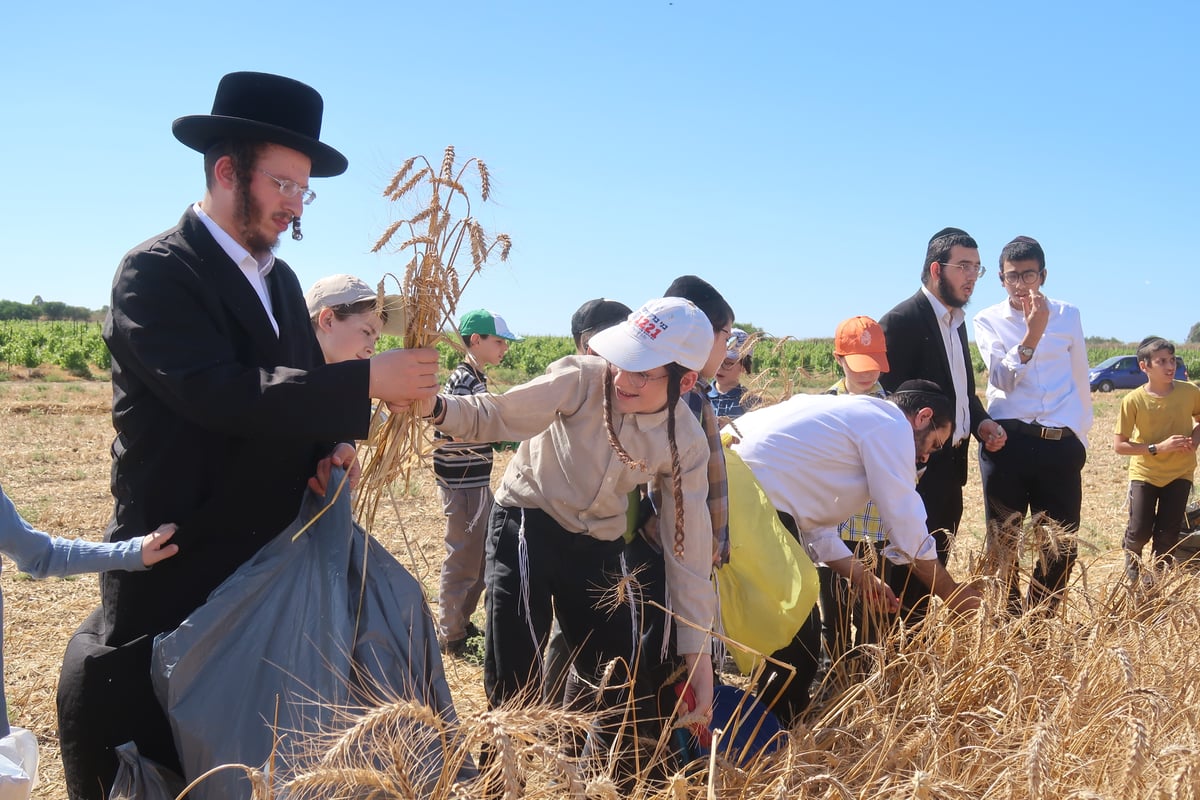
[598, 314]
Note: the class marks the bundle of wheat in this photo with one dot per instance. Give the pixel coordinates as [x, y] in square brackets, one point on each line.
[431, 288]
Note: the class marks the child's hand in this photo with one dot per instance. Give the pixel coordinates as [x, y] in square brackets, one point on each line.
[155, 547]
[1176, 442]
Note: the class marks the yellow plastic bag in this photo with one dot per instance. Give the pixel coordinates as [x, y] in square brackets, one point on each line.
[769, 586]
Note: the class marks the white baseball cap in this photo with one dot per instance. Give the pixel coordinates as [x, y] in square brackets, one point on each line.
[346, 290]
[665, 330]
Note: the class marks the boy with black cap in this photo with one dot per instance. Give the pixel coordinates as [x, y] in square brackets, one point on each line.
[593, 317]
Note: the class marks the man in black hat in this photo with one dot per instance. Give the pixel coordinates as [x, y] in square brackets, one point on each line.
[223, 406]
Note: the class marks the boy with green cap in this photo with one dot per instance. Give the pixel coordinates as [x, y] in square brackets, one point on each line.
[464, 476]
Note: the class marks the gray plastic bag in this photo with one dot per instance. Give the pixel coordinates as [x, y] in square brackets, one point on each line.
[292, 637]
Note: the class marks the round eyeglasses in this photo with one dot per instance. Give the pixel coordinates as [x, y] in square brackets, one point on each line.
[292, 189]
[637, 380]
[1029, 276]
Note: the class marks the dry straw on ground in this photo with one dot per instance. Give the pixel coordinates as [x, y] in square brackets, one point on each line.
[432, 239]
[1098, 701]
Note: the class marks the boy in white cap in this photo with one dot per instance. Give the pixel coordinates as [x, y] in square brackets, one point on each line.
[348, 317]
[463, 470]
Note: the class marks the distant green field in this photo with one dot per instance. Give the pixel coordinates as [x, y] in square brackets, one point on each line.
[77, 348]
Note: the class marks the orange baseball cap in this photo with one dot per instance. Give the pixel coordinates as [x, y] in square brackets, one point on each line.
[860, 341]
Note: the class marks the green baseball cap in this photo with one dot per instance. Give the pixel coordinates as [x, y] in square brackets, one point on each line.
[485, 322]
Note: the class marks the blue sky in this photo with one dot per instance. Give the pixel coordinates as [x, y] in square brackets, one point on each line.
[797, 157]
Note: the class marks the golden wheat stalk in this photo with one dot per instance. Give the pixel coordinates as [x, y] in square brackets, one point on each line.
[432, 238]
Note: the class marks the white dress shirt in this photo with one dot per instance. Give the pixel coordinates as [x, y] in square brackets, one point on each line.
[255, 271]
[821, 457]
[949, 320]
[1052, 388]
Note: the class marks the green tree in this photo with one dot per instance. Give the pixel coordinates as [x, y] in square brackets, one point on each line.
[1194, 334]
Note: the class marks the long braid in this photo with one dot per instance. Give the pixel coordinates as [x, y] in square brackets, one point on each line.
[675, 373]
[613, 441]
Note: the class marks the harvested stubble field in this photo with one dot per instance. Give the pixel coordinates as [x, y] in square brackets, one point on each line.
[1100, 702]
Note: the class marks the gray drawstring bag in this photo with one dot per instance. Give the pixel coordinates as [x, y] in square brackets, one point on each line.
[303, 632]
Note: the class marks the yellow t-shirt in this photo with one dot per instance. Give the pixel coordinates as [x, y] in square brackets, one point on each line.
[1145, 418]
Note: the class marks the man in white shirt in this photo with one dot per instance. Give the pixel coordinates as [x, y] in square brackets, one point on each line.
[819, 458]
[1038, 391]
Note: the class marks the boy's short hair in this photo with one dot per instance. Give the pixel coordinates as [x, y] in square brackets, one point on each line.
[1022, 248]
[1151, 345]
[705, 297]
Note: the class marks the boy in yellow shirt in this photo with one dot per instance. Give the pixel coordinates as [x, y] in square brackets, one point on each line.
[1157, 428]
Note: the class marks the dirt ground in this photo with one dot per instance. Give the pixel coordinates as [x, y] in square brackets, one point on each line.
[54, 444]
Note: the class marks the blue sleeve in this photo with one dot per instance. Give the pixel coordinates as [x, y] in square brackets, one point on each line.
[42, 556]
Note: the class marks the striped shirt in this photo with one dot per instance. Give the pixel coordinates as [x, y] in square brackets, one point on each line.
[457, 464]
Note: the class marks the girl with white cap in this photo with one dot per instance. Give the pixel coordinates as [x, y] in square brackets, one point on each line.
[555, 538]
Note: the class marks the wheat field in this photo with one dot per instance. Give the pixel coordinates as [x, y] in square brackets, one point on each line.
[1097, 702]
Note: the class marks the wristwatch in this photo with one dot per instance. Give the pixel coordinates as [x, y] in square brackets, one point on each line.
[1153, 449]
[1022, 350]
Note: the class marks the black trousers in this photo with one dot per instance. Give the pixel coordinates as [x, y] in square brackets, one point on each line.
[557, 572]
[1156, 516]
[1031, 476]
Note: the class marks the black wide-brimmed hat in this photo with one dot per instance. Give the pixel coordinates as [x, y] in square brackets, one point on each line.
[268, 108]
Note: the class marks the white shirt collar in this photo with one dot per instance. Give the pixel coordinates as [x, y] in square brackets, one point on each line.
[234, 250]
[950, 317]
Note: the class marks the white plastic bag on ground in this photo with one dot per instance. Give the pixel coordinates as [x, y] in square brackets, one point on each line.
[18, 764]
[140, 778]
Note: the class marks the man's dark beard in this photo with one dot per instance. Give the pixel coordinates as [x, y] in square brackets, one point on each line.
[948, 295]
[249, 212]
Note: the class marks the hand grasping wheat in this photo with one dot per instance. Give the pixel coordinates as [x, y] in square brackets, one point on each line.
[431, 288]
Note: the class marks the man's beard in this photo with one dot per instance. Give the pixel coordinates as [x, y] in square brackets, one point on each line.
[250, 219]
[920, 439]
[949, 295]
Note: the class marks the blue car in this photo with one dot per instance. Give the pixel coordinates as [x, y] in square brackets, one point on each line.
[1123, 372]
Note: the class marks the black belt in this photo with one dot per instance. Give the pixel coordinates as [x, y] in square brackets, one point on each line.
[1035, 430]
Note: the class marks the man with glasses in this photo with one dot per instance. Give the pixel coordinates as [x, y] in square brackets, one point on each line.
[223, 406]
[1038, 391]
[927, 340]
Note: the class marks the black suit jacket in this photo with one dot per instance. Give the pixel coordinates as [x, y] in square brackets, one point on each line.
[219, 421]
[915, 350]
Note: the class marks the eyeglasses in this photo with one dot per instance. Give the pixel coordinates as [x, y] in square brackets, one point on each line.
[1028, 276]
[973, 270]
[637, 380]
[291, 189]
[1167, 361]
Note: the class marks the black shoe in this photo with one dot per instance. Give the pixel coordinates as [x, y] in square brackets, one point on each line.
[455, 647]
